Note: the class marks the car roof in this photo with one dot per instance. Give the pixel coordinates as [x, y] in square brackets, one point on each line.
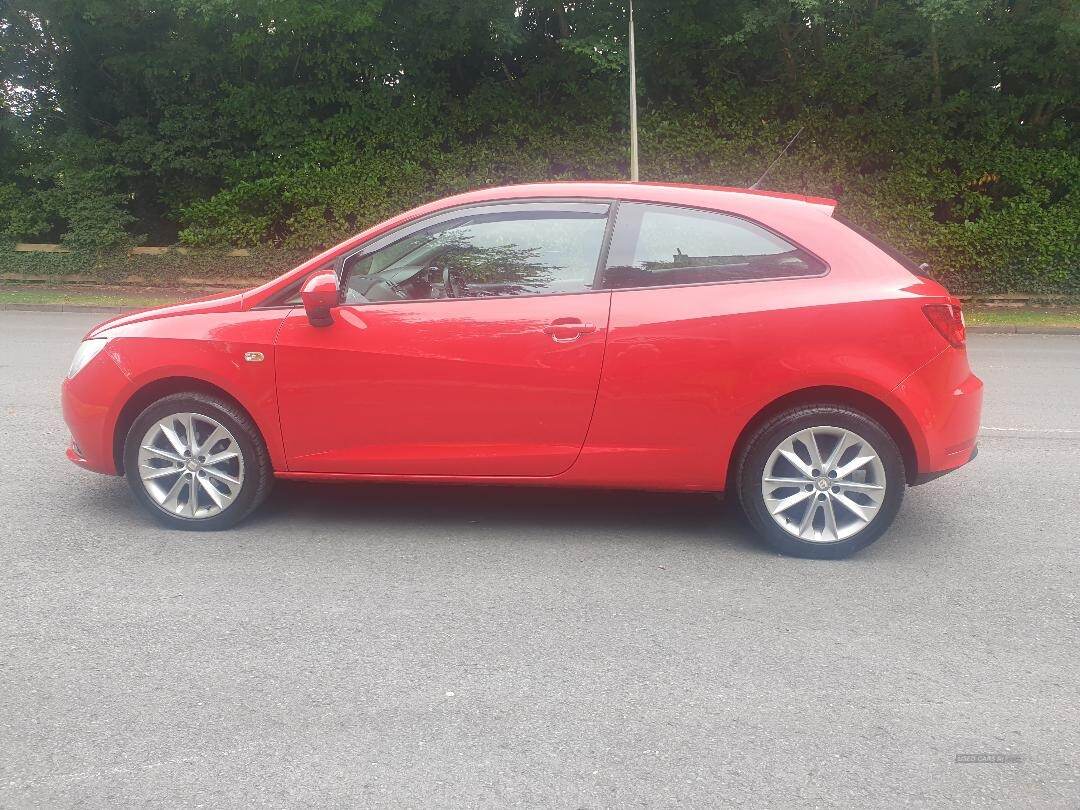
[686, 193]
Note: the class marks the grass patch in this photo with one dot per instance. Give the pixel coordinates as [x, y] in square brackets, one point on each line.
[96, 296]
[1009, 316]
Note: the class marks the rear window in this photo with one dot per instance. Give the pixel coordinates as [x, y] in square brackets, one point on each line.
[906, 261]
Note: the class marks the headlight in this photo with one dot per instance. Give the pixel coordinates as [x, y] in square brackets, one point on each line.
[86, 352]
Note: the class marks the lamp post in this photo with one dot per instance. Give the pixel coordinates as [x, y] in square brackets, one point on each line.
[633, 102]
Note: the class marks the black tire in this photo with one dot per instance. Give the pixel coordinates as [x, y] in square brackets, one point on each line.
[258, 475]
[750, 467]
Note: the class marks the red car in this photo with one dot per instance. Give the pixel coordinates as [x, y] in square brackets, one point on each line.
[596, 334]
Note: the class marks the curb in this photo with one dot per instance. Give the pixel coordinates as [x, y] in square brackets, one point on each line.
[974, 330]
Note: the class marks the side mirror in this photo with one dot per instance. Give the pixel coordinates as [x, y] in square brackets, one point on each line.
[320, 294]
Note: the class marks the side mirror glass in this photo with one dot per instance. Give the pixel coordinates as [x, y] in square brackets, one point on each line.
[320, 295]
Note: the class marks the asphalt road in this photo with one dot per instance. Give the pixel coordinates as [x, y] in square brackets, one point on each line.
[445, 646]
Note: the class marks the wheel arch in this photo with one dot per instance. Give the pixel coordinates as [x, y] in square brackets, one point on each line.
[834, 395]
[153, 391]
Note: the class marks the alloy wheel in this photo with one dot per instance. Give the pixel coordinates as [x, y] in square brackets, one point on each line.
[191, 465]
[823, 484]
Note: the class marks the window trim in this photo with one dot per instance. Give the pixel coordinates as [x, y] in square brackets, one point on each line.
[547, 204]
[280, 299]
[605, 249]
[827, 268]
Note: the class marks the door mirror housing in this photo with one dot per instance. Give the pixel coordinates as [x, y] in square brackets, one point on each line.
[320, 294]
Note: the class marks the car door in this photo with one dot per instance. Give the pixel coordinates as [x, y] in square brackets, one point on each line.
[698, 331]
[468, 344]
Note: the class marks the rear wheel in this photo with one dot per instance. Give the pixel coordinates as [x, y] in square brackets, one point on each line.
[196, 462]
[820, 481]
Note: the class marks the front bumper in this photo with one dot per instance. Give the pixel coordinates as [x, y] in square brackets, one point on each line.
[91, 405]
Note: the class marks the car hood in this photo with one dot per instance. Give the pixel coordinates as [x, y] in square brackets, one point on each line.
[221, 302]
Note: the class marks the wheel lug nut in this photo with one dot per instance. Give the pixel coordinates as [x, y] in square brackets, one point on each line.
[836, 489]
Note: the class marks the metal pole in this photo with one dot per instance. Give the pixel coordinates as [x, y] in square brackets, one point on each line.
[633, 102]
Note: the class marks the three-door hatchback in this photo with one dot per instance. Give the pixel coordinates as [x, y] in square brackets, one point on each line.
[562, 334]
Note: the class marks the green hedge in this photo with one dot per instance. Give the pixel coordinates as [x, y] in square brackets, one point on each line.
[946, 126]
[110, 267]
[988, 217]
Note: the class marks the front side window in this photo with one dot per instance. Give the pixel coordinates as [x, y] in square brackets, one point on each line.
[488, 253]
[656, 245]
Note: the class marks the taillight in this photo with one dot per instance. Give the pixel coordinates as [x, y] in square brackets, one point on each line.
[948, 319]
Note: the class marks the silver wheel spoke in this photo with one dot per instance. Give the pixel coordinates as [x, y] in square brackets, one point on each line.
[809, 440]
[853, 465]
[846, 441]
[215, 437]
[808, 518]
[152, 473]
[217, 496]
[192, 497]
[798, 463]
[165, 453]
[779, 505]
[171, 501]
[220, 476]
[788, 482]
[174, 438]
[830, 523]
[192, 440]
[861, 512]
[224, 455]
[857, 487]
[157, 451]
[835, 508]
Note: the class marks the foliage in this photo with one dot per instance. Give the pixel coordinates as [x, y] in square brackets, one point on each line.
[948, 126]
[210, 267]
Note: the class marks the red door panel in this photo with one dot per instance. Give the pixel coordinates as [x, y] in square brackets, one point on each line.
[495, 386]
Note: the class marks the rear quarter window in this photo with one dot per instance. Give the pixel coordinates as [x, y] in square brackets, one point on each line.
[658, 245]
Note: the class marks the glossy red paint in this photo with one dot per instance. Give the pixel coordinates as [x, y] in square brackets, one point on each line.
[320, 295]
[203, 344]
[645, 388]
[469, 387]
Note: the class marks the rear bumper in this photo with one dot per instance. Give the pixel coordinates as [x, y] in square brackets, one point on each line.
[945, 400]
[925, 478]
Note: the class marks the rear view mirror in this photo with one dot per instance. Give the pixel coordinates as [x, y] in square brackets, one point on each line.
[320, 295]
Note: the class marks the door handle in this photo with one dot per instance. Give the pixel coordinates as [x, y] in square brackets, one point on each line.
[567, 330]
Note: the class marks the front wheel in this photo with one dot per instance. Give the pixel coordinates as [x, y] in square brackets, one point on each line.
[196, 462]
[820, 481]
